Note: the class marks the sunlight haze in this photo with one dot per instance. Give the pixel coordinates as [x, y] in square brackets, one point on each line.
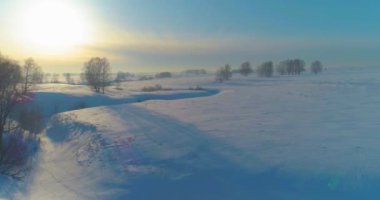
[144, 35]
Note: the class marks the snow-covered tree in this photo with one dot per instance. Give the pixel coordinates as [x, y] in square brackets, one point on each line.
[31, 74]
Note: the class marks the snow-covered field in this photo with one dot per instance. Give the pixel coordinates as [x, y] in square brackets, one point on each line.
[306, 137]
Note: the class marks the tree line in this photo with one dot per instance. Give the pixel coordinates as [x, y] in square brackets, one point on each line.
[267, 69]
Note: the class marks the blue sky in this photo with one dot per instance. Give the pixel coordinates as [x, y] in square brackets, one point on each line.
[246, 17]
[176, 34]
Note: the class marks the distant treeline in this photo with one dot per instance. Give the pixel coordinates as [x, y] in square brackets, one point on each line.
[267, 69]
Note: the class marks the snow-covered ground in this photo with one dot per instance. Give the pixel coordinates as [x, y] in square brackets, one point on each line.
[307, 137]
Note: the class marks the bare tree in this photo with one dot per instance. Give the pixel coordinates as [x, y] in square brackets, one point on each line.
[299, 66]
[15, 156]
[265, 69]
[281, 67]
[316, 67]
[224, 73]
[97, 73]
[245, 69]
[31, 74]
[10, 77]
[291, 67]
[15, 151]
[105, 73]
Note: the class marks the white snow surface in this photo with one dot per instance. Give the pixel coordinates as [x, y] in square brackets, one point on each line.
[289, 137]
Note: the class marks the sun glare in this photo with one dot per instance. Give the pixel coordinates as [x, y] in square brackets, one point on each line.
[53, 25]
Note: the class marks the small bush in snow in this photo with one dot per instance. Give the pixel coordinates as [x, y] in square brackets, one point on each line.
[157, 87]
[145, 77]
[15, 156]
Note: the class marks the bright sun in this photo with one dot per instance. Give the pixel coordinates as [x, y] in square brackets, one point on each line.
[53, 25]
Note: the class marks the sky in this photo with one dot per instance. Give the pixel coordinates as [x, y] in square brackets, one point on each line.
[157, 35]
